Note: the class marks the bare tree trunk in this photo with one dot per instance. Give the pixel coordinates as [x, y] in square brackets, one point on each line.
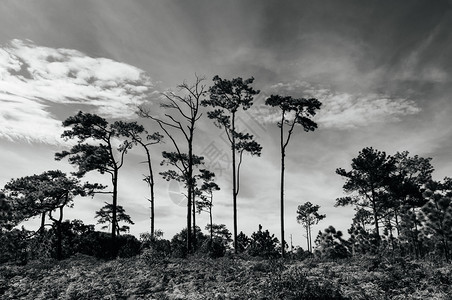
[114, 208]
[43, 223]
[211, 225]
[195, 242]
[234, 184]
[151, 187]
[283, 154]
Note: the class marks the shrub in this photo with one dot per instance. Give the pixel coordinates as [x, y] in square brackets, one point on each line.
[179, 242]
[293, 284]
[100, 245]
[128, 246]
[213, 248]
[263, 244]
[330, 244]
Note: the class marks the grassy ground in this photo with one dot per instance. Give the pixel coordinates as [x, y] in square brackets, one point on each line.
[83, 277]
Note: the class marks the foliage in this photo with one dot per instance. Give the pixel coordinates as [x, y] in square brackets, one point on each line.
[295, 285]
[220, 233]
[135, 132]
[263, 244]
[308, 215]
[180, 129]
[437, 214]
[366, 277]
[226, 98]
[100, 245]
[370, 175]
[178, 242]
[293, 112]
[105, 215]
[361, 241]
[330, 244]
[243, 242]
[154, 249]
[13, 246]
[95, 151]
[214, 248]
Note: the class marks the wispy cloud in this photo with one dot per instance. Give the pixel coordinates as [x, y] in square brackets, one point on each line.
[339, 109]
[33, 78]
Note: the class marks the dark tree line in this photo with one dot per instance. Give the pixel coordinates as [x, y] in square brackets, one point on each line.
[398, 206]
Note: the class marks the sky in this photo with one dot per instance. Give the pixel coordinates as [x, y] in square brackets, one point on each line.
[382, 70]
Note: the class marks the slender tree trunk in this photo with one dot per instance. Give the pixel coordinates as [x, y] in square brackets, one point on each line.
[283, 154]
[211, 222]
[190, 191]
[374, 208]
[391, 236]
[114, 221]
[151, 187]
[446, 248]
[59, 234]
[152, 212]
[307, 238]
[282, 202]
[310, 237]
[43, 223]
[195, 242]
[415, 235]
[234, 184]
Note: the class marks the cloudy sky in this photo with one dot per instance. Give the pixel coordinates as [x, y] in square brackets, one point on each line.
[382, 70]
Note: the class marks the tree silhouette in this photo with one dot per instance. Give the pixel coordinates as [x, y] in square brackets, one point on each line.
[96, 151]
[263, 243]
[438, 213]
[105, 216]
[186, 105]
[206, 195]
[368, 179]
[302, 110]
[330, 244]
[226, 98]
[135, 131]
[43, 194]
[411, 175]
[308, 215]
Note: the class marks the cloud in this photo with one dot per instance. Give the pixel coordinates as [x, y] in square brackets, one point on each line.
[340, 110]
[34, 78]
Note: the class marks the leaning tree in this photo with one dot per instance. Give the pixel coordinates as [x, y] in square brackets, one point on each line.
[135, 132]
[43, 194]
[101, 147]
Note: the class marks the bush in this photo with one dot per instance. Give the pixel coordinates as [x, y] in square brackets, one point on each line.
[302, 254]
[13, 246]
[331, 245]
[154, 249]
[128, 246]
[263, 244]
[100, 245]
[179, 242]
[213, 248]
[294, 285]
